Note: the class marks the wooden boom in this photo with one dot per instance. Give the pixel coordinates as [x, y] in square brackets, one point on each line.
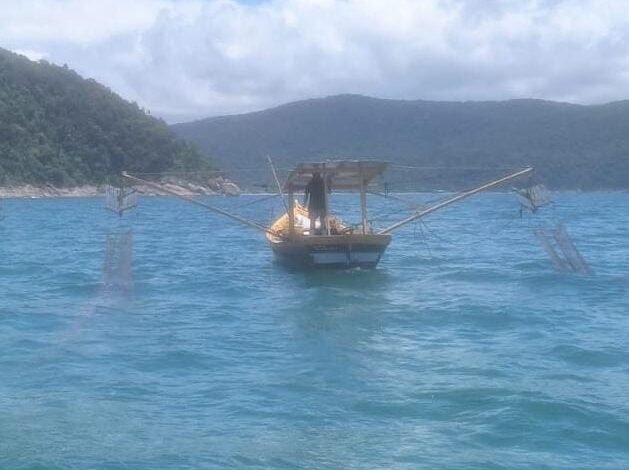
[218, 210]
[453, 199]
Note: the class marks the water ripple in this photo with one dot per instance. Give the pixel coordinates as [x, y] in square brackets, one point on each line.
[463, 350]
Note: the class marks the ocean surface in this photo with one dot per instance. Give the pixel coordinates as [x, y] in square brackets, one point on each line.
[463, 349]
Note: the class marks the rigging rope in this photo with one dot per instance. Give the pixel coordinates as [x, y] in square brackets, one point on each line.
[251, 203]
[454, 168]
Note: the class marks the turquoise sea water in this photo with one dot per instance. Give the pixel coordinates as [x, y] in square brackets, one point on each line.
[462, 350]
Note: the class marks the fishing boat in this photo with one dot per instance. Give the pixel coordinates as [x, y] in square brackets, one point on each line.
[333, 243]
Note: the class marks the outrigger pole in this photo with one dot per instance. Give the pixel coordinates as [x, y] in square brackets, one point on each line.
[453, 199]
[218, 210]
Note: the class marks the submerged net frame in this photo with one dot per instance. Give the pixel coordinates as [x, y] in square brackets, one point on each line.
[562, 250]
[117, 267]
[119, 200]
[534, 197]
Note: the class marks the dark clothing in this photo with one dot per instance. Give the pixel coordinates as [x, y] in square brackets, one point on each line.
[314, 194]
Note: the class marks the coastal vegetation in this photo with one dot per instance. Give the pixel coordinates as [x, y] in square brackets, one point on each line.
[60, 129]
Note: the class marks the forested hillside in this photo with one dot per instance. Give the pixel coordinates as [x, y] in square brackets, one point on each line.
[571, 146]
[58, 128]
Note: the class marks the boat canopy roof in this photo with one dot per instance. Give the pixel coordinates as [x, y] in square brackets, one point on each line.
[340, 174]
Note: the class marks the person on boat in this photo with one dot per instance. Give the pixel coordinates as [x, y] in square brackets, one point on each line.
[314, 199]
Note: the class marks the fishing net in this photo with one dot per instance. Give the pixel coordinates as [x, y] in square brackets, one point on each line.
[117, 268]
[534, 197]
[119, 200]
[562, 250]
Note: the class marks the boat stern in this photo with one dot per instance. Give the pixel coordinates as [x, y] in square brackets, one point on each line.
[331, 251]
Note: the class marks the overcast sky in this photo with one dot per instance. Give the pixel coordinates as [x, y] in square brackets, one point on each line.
[189, 59]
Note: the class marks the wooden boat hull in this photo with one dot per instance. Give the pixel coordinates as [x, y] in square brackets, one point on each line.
[330, 252]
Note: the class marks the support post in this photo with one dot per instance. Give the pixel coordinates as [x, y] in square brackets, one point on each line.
[363, 205]
[326, 204]
[291, 212]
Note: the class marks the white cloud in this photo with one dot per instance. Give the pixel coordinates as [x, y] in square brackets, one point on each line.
[81, 22]
[194, 58]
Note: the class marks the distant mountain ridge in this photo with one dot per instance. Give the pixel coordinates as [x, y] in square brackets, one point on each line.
[572, 146]
[61, 129]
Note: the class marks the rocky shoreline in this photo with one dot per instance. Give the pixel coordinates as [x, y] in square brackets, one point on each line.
[215, 187]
